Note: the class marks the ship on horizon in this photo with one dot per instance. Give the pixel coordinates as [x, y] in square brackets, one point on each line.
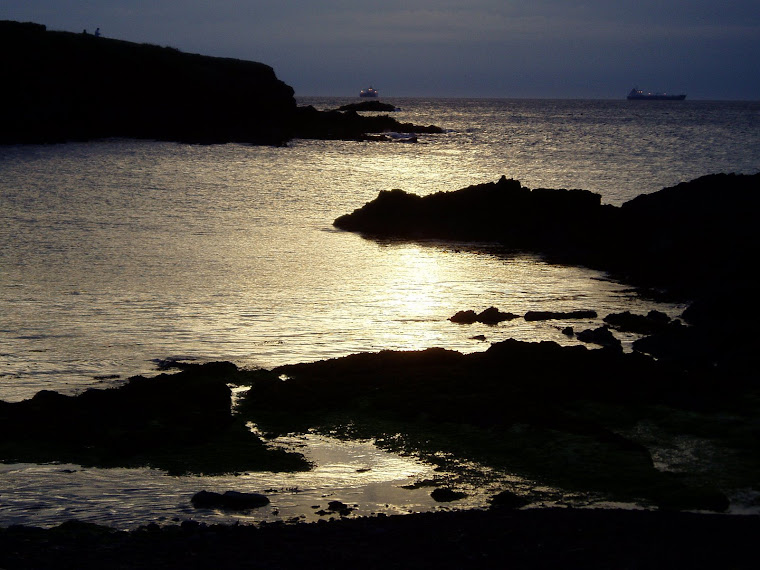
[637, 94]
[369, 92]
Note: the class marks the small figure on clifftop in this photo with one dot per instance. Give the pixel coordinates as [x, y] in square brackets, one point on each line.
[97, 32]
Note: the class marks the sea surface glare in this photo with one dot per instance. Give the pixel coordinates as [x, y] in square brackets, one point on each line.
[115, 254]
[118, 254]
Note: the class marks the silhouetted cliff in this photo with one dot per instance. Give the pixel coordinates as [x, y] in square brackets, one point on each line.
[61, 86]
[64, 86]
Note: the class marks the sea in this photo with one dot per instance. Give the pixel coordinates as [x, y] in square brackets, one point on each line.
[118, 255]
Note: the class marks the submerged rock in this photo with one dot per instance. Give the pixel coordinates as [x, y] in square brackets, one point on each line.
[601, 336]
[229, 500]
[446, 495]
[652, 322]
[555, 315]
[508, 500]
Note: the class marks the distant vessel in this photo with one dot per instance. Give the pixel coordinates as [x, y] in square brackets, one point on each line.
[368, 92]
[639, 94]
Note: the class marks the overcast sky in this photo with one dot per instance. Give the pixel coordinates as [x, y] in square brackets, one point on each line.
[467, 48]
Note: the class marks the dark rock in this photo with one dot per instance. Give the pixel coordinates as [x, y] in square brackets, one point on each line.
[111, 88]
[465, 317]
[653, 322]
[445, 495]
[339, 507]
[681, 497]
[180, 422]
[229, 500]
[496, 538]
[492, 316]
[508, 500]
[349, 125]
[554, 315]
[658, 316]
[568, 331]
[503, 211]
[601, 336]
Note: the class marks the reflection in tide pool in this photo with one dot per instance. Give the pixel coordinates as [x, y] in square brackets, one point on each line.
[356, 473]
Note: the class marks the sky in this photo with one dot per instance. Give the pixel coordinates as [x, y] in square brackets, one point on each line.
[594, 49]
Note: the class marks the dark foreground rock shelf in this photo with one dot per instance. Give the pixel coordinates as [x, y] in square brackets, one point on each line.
[181, 423]
[61, 86]
[566, 416]
[499, 538]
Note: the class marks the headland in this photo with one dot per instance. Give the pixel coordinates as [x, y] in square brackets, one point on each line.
[63, 86]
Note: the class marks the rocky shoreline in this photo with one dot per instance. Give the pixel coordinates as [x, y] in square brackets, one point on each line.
[537, 538]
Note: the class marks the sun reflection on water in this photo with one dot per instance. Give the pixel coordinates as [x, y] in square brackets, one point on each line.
[414, 275]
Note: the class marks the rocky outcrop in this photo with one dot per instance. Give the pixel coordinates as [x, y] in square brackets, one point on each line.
[493, 316]
[181, 423]
[652, 322]
[350, 125]
[504, 211]
[489, 316]
[695, 235]
[601, 336]
[508, 500]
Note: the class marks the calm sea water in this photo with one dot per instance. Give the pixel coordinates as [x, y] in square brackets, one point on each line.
[115, 254]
